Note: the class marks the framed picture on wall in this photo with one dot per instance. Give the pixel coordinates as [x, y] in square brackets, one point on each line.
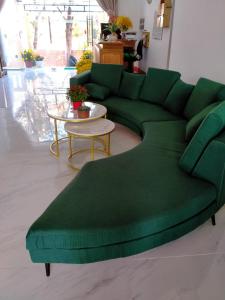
[157, 31]
[146, 38]
[142, 24]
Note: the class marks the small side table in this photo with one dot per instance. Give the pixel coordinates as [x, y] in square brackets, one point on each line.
[63, 111]
[92, 130]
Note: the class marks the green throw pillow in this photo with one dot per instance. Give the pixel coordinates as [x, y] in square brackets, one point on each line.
[211, 126]
[97, 91]
[157, 84]
[204, 93]
[195, 122]
[221, 94]
[178, 97]
[131, 85]
[107, 75]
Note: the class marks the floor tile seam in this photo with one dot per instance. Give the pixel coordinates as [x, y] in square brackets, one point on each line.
[182, 256]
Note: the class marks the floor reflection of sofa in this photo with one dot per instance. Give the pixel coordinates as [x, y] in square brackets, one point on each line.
[163, 188]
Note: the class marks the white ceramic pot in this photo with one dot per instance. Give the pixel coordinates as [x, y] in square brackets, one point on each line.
[39, 63]
[113, 37]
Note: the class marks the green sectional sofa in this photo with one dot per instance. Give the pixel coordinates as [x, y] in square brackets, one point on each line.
[163, 188]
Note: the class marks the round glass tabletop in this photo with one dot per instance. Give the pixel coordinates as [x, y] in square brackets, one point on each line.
[65, 112]
[93, 128]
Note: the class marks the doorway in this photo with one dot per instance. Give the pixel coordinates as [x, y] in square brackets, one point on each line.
[54, 30]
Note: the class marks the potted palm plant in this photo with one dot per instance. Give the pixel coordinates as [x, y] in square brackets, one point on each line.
[76, 95]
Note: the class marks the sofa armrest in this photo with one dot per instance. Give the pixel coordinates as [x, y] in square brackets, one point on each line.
[211, 166]
[81, 78]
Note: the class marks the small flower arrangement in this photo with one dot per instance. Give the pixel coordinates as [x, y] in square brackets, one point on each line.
[124, 23]
[39, 57]
[113, 27]
[85, 62]
[77, 93]
[83, 112]
[28, 55]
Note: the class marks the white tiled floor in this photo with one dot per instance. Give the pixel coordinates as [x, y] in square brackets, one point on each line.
[191, 268]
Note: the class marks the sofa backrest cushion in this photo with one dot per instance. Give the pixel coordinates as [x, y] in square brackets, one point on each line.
[81, 78]
[211, 126]
[204, 93]
[195, 122]
[221, 94]
[178, 97]
[107, 75]
[157, 84]
[131, 85]
[211, 166]
[97, 91]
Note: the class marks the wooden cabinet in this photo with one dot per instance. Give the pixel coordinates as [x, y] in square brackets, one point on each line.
[111, 52]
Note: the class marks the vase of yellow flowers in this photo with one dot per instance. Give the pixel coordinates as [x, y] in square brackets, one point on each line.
[124, 23]
[28, 57]
[85, 62]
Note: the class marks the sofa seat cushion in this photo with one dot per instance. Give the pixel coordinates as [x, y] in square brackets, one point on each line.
[204, 93]
[211, 126]
[97, 91]
[178, 96]
[168, 135]
[107, 75]
[133, 195]
[131, 85]
[157, 84]
[137, 111]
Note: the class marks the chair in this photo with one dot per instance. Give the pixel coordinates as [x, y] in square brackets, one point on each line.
[130, 57]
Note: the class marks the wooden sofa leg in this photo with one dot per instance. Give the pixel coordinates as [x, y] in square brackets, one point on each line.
[47, 269]
[213, 219]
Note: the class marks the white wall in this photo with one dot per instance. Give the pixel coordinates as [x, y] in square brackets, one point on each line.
[157, 54]
[198, 39]
[132, 9]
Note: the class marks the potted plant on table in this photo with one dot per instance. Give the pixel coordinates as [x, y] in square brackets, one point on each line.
[83, 111]
[77, 94]
[113, 28]
[39, 61]
[28, 57]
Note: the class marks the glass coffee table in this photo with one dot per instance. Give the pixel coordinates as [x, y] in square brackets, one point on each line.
[63, 111]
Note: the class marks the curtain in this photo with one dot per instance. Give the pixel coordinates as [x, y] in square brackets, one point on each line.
[109, 6]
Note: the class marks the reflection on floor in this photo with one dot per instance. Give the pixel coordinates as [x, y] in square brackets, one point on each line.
[191, 268]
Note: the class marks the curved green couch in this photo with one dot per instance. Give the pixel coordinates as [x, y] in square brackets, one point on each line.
[163, 188]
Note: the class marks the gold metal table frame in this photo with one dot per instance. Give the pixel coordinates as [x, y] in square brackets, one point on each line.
[105, 150]
[54, 146]
[103, 137]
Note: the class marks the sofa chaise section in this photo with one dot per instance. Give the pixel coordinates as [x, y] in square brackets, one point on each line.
[103, 215]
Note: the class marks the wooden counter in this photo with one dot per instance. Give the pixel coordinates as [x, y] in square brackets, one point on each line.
[111, 52]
